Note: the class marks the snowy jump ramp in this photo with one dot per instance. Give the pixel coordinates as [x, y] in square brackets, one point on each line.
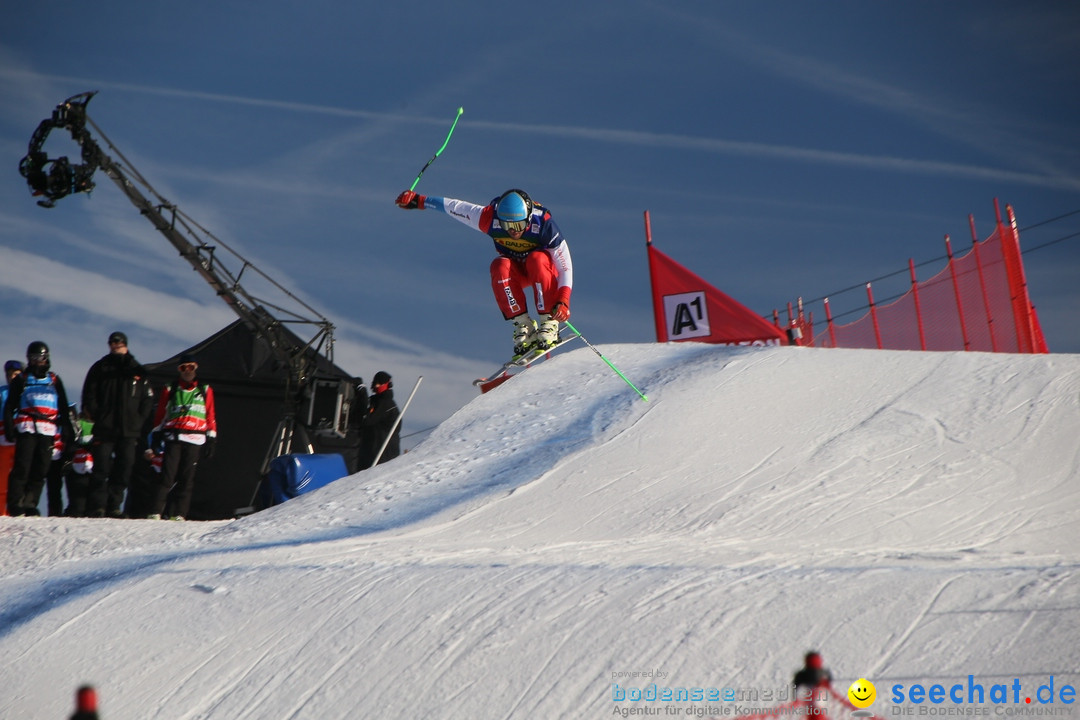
[914, 516]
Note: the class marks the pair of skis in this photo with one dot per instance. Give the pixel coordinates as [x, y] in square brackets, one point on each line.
[503, 374]
[517, 364]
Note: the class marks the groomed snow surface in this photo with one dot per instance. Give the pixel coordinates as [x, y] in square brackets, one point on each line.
[914, 516]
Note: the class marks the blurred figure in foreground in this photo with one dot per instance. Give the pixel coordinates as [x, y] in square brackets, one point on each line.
[85, 704]
[812, 677]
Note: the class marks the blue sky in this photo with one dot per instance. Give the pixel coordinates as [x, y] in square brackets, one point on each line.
[783, 149]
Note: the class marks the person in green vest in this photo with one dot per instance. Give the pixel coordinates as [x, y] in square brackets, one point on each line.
[186, 420]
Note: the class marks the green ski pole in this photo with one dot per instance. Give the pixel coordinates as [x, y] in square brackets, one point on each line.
[609, 364]
[437, 154]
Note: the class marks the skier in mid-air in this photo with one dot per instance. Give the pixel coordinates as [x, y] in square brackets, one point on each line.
[532, 253]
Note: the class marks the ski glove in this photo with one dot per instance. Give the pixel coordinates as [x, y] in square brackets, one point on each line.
[560, 311]
[409, 200]
[208, 448]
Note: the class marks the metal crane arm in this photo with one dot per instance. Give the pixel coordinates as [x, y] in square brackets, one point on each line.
[56, 178]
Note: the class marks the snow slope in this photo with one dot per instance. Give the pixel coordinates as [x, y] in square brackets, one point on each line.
[913, 515]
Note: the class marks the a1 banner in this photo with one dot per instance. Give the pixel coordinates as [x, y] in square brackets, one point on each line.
[686, 307]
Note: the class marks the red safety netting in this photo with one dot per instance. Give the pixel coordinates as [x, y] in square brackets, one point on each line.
[978, 302]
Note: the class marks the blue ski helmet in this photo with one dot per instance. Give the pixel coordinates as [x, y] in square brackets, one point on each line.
[514, 206]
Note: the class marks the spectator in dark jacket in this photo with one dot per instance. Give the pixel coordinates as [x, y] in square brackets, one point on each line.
[380, 422]
[118, 398]
[354, 433]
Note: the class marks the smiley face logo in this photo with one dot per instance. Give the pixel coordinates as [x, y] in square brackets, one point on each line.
[862, 693]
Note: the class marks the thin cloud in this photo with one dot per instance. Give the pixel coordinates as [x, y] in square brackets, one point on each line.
[972, 126]
[89, 83]
[787, 152]
[109, 297]
[887, 97]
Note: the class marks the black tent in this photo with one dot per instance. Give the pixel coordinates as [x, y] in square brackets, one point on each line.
[250, 383]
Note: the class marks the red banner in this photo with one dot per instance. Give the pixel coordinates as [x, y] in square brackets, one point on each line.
[686, 307]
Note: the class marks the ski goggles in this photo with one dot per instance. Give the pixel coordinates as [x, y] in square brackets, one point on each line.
[514, 225]
[184, 367]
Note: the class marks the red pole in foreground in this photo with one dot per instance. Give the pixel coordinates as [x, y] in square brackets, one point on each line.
[85, 704]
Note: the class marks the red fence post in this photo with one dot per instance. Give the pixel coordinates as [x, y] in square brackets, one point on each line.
[873, 315]
[918, 307]
[982, 286]
[829, 323]
[956, 292]
[1029, 335]
[805, 334]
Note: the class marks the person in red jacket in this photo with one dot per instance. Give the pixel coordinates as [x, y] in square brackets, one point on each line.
[187, 422]
[534, 258]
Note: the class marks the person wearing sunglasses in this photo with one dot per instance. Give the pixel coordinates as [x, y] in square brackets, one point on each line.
[532, 253]
[118, 398]
[187, 423]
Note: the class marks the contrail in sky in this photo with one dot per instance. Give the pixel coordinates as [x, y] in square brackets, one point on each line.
[620, 137]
